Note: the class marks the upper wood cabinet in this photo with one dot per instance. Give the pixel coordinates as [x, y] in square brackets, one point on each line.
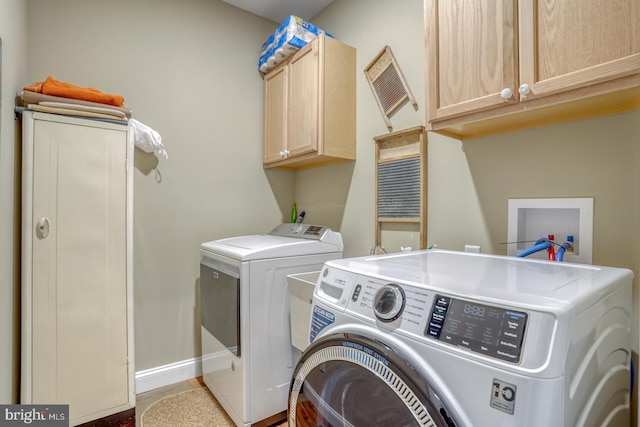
[310, 107]
[496, 66]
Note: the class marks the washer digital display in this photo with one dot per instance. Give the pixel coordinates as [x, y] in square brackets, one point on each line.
[485, 329]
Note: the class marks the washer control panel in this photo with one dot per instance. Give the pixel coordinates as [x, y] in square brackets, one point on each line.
[399, 307]
[388, 302]
[486, 329]
[489, 330]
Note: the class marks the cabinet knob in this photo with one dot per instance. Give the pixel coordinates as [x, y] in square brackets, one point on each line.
[43, 226]
[286, 153]
[506, 93]
[282, 154]
[524, 89]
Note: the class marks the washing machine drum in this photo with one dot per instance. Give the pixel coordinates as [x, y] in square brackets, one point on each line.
[352, 380]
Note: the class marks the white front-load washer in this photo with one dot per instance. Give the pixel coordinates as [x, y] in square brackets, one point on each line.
[247, 355]
[443, 338]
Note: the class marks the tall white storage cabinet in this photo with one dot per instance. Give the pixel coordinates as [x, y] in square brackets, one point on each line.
[77, 277]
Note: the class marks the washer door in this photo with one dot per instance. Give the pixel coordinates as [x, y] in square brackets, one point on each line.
[352, 380]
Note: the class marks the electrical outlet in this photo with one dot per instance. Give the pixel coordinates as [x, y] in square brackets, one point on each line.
[472, 248]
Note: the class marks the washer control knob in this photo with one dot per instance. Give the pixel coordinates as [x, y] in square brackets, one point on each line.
[388, 303]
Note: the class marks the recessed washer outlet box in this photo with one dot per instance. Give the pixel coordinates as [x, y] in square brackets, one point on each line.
[532, 219]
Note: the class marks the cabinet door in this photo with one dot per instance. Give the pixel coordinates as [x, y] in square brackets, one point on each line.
[571, 44]
[471, 55]
[275, 114]
[304, 101]
[79, 268]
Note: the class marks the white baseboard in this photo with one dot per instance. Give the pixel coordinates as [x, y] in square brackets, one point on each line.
[161, 376]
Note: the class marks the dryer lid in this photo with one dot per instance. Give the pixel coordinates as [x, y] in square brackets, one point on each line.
[285, 240]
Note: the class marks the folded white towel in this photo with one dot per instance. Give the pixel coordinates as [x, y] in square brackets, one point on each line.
[147, 139]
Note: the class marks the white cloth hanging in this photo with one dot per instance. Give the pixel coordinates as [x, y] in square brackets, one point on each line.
[147, 139]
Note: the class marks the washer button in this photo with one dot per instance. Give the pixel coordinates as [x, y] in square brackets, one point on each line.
[356, 293]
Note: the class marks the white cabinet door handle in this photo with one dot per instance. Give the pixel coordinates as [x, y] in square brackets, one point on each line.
[43, 226]
[282, 154]
[524, 89]
[506, 93]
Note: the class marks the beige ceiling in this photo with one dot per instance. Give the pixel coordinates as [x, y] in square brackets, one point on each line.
[278, 10]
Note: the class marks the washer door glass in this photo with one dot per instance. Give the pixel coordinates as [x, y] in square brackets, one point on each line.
[350, 380]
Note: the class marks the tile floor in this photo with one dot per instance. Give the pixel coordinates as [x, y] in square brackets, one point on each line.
[144, 400]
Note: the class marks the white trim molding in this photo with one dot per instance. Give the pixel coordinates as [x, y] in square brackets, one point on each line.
[161, 376]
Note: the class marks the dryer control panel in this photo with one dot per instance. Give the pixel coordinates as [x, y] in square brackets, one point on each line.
[300, 231]
[489, 330]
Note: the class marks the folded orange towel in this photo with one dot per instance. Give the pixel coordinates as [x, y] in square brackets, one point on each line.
[54, 87]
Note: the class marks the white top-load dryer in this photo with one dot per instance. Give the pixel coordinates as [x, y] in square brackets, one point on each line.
[442, 338]
[247, 355]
